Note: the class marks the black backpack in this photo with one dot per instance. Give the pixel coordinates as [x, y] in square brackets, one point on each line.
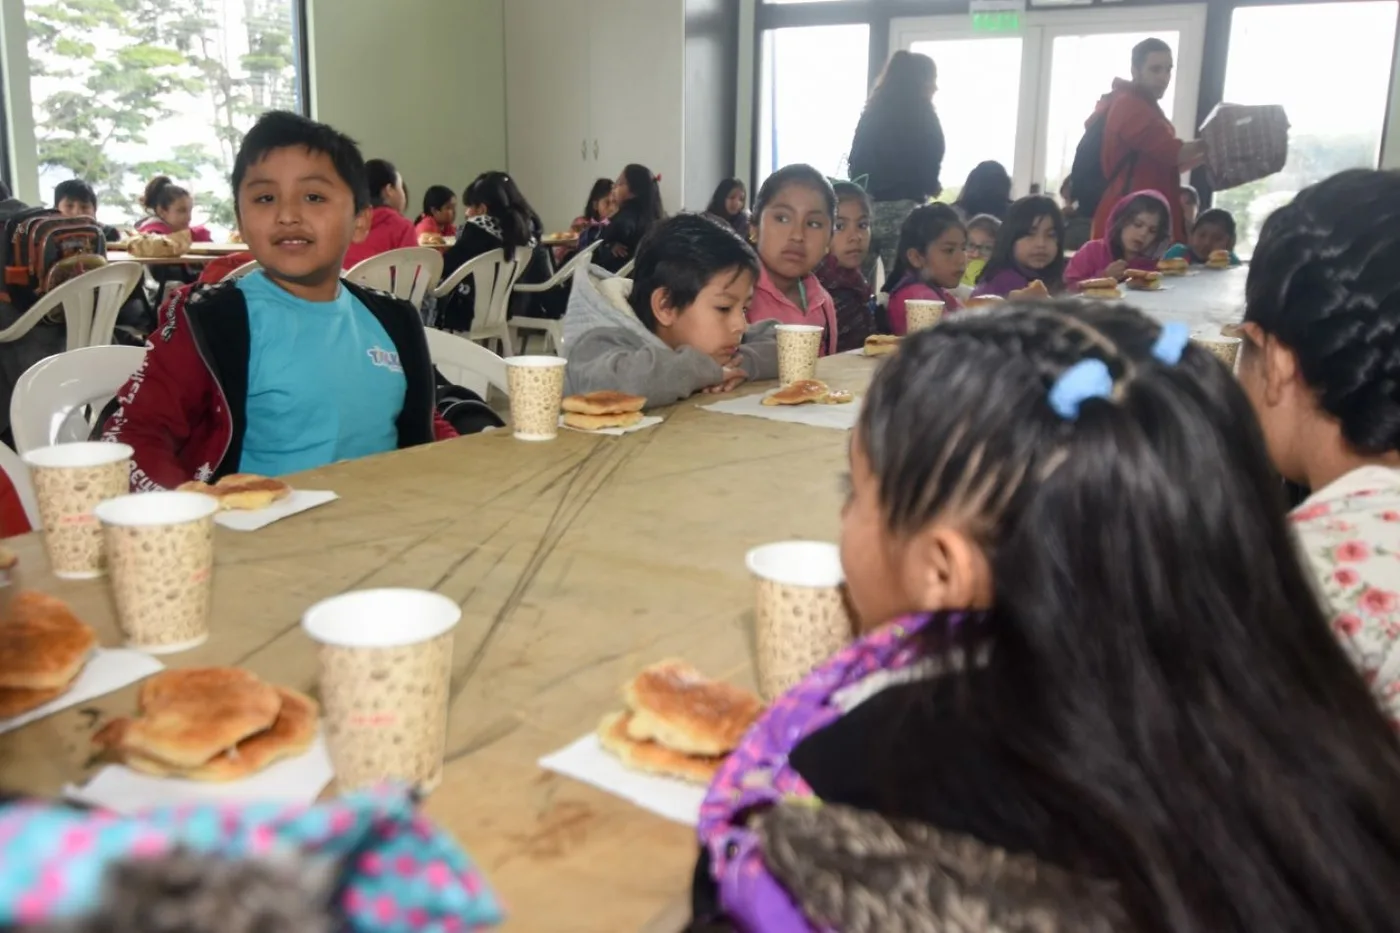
[1087, 182]
[35, 242]
[462, 408]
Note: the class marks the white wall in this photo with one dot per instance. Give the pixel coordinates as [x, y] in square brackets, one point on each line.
[419, 82]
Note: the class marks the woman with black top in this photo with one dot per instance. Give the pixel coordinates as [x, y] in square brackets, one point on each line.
[986, 191]
[638, 198]
[498, 217]
[899, 147]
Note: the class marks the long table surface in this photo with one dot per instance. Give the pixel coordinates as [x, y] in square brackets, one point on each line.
[576, 563]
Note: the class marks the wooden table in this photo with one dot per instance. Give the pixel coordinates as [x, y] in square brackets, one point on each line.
[576, 563]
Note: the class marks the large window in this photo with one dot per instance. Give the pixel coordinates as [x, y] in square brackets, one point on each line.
[1334, 90]
[812, 90]
[127, 89]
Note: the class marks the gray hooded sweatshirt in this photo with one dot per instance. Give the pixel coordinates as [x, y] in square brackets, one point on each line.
[608, 348]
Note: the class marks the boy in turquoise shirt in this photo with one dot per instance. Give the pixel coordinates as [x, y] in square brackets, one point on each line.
[1214, 230]
[289, 368]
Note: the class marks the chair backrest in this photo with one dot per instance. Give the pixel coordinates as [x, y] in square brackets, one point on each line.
[407, 273]
[251, 265]
[58, 399]
[91, 302]
[879, 280]
[493, 277]
[467, 364]
[626, 270]
[18, 473]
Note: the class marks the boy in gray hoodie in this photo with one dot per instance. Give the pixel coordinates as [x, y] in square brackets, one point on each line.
[678, 327]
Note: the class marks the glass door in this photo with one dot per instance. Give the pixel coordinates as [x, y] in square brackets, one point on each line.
[1029, 113]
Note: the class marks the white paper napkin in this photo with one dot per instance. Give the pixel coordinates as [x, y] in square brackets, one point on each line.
[297, 780]
[840, 417]
[587, 761]
[299, 501]
[107, 670]
[647, 422]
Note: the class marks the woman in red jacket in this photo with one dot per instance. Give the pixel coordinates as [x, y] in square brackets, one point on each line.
[388, 227]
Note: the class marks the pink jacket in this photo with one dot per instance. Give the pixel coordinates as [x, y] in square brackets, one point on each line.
[157, 227]
[771, 304]
[388, 229]
[918, 291]
[1097, 255]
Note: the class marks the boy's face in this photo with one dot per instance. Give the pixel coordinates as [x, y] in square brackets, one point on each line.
[1207, 238]
[298, 217]
[714, 323]
[851, 241]
[71, 208]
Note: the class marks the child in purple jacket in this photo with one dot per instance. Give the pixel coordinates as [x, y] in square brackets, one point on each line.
[1030, 246]
[1138, 228]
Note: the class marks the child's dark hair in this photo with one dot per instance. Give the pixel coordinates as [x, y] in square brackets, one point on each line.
[1324, 282]
[682, 254]
[1192, 194]
[380, 174]
[161, 193]
[1020, 220]
[646, 192]
[722, 192]
[76, 190]
[279, 129]
[796, 174]
[986, 191]
[497, 192]
[601, 189]
[1141, 203]
[850, 191]
[923, 226]
[1165, 733]
[1217, 217]
[435, 199]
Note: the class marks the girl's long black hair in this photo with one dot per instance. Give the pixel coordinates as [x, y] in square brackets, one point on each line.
[721, 195]
[645, 201]
[923, 226]
[986, 191]
[380, 174]
[1020, 220]
[1157, 665]
[497, 192]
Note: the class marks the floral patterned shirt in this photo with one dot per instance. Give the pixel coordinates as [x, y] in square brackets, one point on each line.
[1350, 532]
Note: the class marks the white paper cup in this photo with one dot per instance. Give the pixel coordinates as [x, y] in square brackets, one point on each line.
[160, 546]
[799, 346]
[921, 314]
[69, 480]
[386, 671]
[800, 616]
[536, 391]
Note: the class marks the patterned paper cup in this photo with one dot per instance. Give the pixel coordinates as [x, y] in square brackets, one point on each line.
[161, 549]
[69, 481]
[536, 390]
[1225, 349]
[800, 618]
[799, 345]
[922, 314]
[386, 670]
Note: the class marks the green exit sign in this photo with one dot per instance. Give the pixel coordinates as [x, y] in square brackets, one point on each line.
[999, 21]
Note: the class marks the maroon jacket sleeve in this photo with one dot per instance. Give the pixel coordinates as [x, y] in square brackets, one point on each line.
[442, 431]
[160, 404]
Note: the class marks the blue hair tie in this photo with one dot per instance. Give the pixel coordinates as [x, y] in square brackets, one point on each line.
[1171, 343]
[1084, 380]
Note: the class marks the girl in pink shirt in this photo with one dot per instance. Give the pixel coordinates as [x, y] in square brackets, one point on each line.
[170, 207]
[439, 212]
[795, 211]
[1139, 226]
[930, 260]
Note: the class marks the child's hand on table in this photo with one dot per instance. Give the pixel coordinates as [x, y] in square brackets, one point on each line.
[733, 376]
[1116, 270]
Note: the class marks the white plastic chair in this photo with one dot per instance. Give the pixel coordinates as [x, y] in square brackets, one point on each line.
[879, 281]
[406, 273]
[626, 270]
[251, 265]
[493, 278]
[58, 399]
[467, 364]
[553, 329]
[18, 474]
[90, 305]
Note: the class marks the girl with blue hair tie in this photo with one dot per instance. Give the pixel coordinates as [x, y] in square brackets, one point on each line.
[1095, 691]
